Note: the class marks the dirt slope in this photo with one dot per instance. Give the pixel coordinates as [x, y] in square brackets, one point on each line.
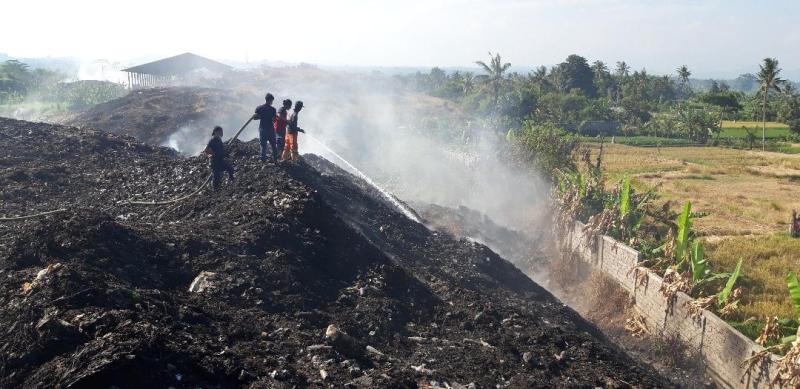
[98, 295]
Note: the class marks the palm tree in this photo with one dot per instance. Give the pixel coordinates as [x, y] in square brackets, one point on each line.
[494, 76]
[683, 74]
[599, 68]
[768, 77]
[623, 69]
[789, 90]
[467, 82]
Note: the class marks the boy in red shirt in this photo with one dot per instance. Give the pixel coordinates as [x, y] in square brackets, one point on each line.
[279, 123]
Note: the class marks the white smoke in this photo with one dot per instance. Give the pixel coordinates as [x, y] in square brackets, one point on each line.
[380, 130]
[185, 140]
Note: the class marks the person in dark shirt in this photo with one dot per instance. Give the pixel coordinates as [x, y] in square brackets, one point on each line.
[291, 151]
[219, 163]
[280, 122]
[265, 113]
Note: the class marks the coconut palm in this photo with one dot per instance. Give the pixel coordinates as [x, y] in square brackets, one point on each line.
[467, 81]
[599, 68]
[684, 74]
[789, 90]
[769, 80]
[623, 69]
[494, 77]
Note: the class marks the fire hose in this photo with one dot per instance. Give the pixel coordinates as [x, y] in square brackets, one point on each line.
[165, 202]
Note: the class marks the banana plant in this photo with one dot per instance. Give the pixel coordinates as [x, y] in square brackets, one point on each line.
[625, 198]
[726, 291]
[699, 264]
[794, 293]
[684, 233]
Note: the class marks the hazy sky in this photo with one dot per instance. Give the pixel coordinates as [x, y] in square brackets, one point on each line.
[714, 37]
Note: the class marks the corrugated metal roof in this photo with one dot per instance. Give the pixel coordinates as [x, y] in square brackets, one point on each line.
[178, 64]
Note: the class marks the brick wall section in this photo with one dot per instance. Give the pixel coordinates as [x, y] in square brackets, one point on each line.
[722, 347]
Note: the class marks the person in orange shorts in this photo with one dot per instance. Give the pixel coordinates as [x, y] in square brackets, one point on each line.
[290, 149]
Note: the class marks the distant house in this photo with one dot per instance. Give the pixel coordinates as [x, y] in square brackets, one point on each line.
[166, 71]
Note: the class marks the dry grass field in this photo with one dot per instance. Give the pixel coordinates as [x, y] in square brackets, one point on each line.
[748, 197]
[743, 192]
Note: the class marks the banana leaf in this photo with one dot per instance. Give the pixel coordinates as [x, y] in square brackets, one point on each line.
[726, 292]
[684, 230]
[625, 197]
[794, 291]
[699, 263]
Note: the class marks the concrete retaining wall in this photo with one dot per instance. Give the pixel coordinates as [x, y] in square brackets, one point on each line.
[722, 347]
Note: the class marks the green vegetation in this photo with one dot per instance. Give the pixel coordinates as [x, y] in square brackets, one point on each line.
[591, 100]
[767, 260]
[770, 132]
[24, 91]
[546, 113]
[726, 291]
[546, 147]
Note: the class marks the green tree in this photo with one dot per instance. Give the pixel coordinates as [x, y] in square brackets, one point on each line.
[622, 70]
[727, 101]
[546, 147]
[684, 74]
[539, 78]
[467, 82]
[768, 77]
[576, 74]
[602, 78]
[789, 108]
[698, 124]
[495, 75]
[16, 80]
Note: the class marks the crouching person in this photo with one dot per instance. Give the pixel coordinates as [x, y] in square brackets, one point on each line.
[219, 163]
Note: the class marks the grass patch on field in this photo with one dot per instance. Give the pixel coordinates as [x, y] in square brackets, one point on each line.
[767, 260]
[642, 141]
[743, 192]
[771, 132]
[785, 148]
[753, 125]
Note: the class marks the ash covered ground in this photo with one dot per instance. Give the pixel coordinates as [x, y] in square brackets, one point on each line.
[98, 295]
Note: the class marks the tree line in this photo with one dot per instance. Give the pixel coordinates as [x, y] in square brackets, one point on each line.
[601, 99]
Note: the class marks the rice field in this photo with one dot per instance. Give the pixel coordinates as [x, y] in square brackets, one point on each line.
[748, 197]
[751, 124]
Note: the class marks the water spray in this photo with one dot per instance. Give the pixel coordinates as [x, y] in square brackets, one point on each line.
[400, 206]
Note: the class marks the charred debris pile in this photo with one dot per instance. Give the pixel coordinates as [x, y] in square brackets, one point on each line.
[294, 277]
[153, 114]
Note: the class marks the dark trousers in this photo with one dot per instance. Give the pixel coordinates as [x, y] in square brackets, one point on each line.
[217, 169]
[281, 142]
[266, 136]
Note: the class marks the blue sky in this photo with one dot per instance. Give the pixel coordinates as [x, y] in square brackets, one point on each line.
[714, 38]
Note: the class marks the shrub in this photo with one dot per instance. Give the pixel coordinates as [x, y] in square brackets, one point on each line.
[547, 147]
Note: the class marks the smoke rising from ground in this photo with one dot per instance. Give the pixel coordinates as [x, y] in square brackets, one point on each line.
[381, 130]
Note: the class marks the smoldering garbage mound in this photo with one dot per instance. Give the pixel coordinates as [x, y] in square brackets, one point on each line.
[527, 250]
[152, 115]
[98, 296]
